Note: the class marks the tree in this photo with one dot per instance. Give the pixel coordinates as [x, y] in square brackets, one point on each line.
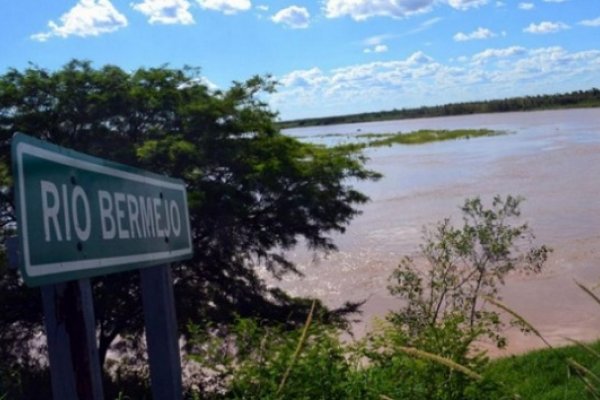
[465, 266]
[444, 312]
[253, 193]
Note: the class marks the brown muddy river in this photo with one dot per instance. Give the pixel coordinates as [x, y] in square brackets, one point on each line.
[552, 158]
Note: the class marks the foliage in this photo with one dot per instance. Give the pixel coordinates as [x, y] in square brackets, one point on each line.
[443, 312]
[253, 192]
[21, 374]
[436, 366]
[587, 98]
[464, 265]
[24, 382]
[252, 359]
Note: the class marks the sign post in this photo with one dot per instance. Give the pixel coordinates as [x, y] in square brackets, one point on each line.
[78, 217]
[71, 336]
[162, 338]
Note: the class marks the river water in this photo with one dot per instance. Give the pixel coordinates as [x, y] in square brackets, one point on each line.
[552, 158]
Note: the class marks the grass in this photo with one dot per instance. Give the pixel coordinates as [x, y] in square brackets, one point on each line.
[299, 347]
[545, 374]
[427, 136]
[554, 373]
[412, 138]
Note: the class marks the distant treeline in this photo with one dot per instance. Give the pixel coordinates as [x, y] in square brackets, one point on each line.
[588, 98]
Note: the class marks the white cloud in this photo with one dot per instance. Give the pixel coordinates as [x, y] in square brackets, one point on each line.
[546, 27]
[165, 11]
[262, 7]
[227, 7]
[338, 86]
[361, 10]
[489, 54]
[420, 80]
[526, 6]
[295, 17]
[466, 4]
[375, 40]
[87, 18]
[430, 22]
[419, 58]
[556, 63]
[425, 25]
[303, 78]
[201, 80]
[374, 44]
[379, 48]
[208, 83]
[590, 22]
[479, 34]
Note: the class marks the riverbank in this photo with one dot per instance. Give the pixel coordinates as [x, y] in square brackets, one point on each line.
[578, 99]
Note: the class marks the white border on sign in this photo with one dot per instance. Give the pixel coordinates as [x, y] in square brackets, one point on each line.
[79, 265]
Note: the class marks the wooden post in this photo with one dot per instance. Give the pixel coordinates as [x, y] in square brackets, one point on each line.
[71, 332]
[161, 332]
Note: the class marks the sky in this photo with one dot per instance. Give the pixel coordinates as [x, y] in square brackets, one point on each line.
[330, 57]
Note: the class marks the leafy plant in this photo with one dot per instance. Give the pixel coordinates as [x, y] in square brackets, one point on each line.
[257, 361]
[463, 266]
[437, 365]
[443, 312]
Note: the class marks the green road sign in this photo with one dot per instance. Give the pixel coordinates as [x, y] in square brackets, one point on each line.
[81, 216]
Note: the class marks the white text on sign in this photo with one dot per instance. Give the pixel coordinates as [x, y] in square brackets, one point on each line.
[121, 215]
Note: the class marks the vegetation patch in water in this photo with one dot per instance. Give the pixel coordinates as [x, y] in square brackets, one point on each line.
[426, 136]
[417, 137]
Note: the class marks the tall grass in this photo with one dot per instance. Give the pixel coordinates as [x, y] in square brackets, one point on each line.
[299, 347]
[519, 319]
[448, 363]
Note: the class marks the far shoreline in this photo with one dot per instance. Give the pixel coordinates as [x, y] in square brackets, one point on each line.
[565, 101]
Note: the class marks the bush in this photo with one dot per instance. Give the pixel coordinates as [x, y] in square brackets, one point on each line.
[436, 365]
[256, 361]
[444, 312]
